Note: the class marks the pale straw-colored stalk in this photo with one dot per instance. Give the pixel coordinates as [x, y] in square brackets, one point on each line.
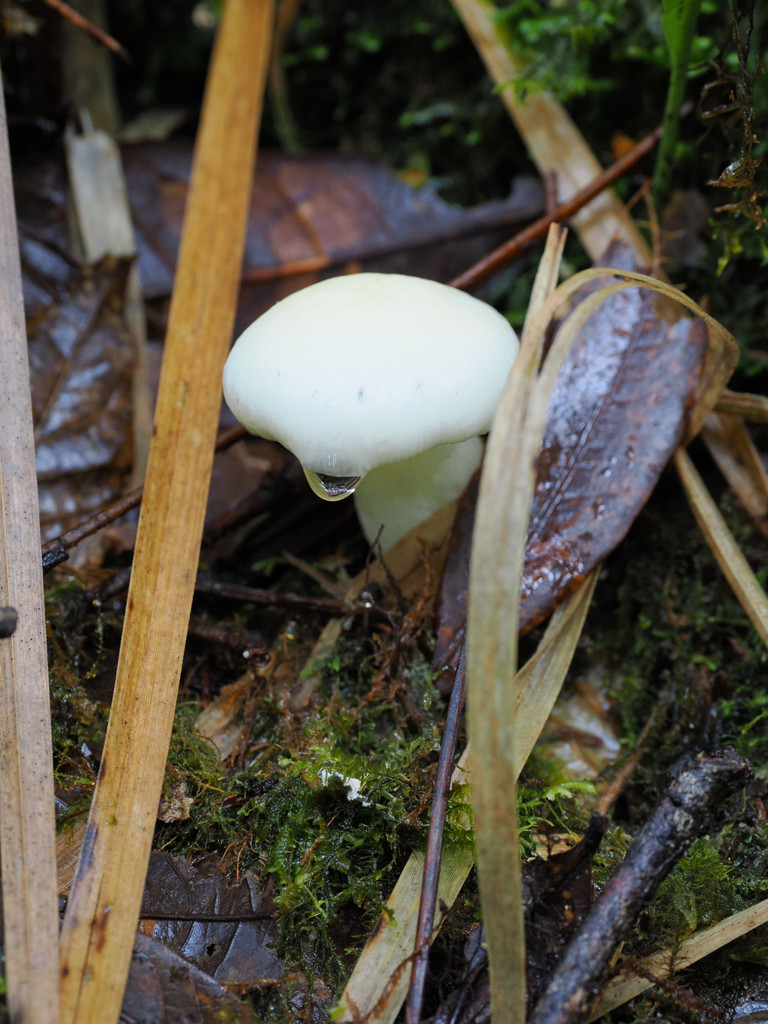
[103, 908]
[27, 830]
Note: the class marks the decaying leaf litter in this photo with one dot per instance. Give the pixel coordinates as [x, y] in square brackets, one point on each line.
[313, 758]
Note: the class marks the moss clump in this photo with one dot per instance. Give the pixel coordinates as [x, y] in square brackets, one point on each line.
[323, 807]
[696, 894]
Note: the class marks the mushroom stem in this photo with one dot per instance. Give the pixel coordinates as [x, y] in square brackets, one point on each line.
[392, 499]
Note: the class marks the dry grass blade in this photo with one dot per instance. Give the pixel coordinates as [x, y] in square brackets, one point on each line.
[753, 408]
[27, 830]
[732, 448]
[553, 141]
[379, 981]
[663, 965]
[721, 541]
[103, 908]
[501, 525]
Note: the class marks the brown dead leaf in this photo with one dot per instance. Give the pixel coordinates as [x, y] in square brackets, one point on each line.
[164, 988]
[81, 363]
[316, 216]
[233, 952]
[618, 411]
[41, 206]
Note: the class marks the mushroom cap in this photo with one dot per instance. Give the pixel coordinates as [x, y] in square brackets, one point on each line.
[363, 370]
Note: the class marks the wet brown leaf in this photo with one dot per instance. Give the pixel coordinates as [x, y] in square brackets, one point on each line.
[231, 952]
[316, 216]
[81, 363]
[41, 206]
[164, 988]
[618, 411]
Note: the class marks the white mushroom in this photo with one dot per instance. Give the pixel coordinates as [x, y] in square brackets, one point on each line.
[375, 376]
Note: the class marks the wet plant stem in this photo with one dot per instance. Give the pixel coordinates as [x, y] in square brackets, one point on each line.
[679, 24]
[428, 900]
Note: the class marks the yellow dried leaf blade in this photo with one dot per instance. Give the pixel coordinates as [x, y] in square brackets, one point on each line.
[501, 524]
[754, 408]
[103, 907]
[722, 543]
[499, 542]
[663, 965]
[734, 451]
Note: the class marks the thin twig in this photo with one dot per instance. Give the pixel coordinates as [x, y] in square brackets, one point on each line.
[85, 25]
[428, 901]
[510, 250]
[159, 915]
[298, 602]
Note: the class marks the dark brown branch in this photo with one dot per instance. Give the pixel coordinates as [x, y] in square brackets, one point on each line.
[680, 817]
[487, 266]
[84, 25]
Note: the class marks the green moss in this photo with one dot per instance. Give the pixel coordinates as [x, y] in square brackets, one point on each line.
[324, 810]
[696, 894]
[79, 641]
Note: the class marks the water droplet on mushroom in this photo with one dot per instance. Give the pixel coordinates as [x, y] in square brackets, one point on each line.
[331, 488]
